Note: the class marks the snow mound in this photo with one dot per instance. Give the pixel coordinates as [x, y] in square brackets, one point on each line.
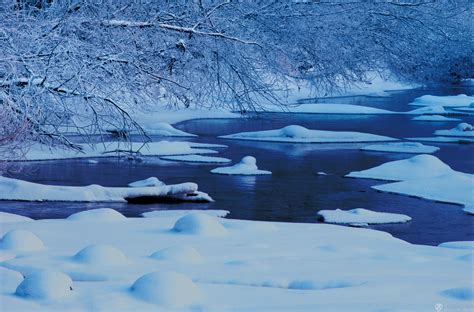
[461, 130]
[100, 214]
[427, 110]
[402, 147]
[45, 285]
[165, 129]
[337, 109]
[101, 255]
[169, 289]
[151, 181]
[299, 134]
[6, 217]
[9, 280]
[435, 118]
[360, 215]
[459, 293]
[441, 139]
[446, 101]
[197, 159]
[469, 209]
[178, 254]
[420, 166]
[199, 223]
[21, 240]
[247, 166]
[458, 245]
[179, 213]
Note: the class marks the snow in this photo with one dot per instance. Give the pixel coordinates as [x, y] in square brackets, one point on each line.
[151, 181]
[402, 147]
[435, 118]
[199, 223]
[445, 101]
[22, 241]
[428, 110]
[423, 176]
[461, 130]
[99, 215]
[10, 217]
[197, 159]
[48, 284]
[441, 139]
[176, 213]
[101, 255]
[9, 280]
[177, 253]
[458, 245]
[469, 209]
[164, 114]
[299, 134]
[361, 216]
[337, 109]
[246, 166]
[169, 289]
[238, 271]
[164, 129]
[13, 189]
[460, 293]
[107, 149]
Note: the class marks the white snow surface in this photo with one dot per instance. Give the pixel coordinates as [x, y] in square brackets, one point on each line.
[176, 213]
[402, 147]
[461, 130]
[361, 216]
[10, 217]
[246, 166]
[469, 209]
[442, 139]
[445, 101]
[99, 215]
[238, 271]
[21, 241]
[458, 245]
[14, 189]
[164, 129]
[151, 181]
[435, 118]
[299, 134]
[197, 159]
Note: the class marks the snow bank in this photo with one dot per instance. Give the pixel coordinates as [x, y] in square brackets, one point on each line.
[177, 253]
[402, 147]
[164, 129]
[428, 110]
[299, 134]
[179, 213]
[197, 159]
[359, 216]
[13, 189]
[461, 130]
[101, 255]
[169, 289]
[446, 101]
[10, 217]
[21, 240]
[469, 209]
[99, 215]
[337, 109]
[151, 181]
[247, 166]
[49, 285]
[458, 245]
[199, 223]
[435, 118]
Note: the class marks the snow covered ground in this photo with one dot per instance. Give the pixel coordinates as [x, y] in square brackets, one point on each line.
[176, 262]
[461, 130]
[361, 217]
[246, 166]
[299, 134]
[445, 101]
[402, 147]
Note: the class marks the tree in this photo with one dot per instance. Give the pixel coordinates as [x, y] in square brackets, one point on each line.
[80, 66]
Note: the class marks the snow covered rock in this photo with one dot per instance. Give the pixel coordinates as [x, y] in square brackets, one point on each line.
[446, 101]
[99, 215]
[434, 118]
[46, 284]
[101, 255]
[151, 181]
[247, 166]
[197, 159]
[178, 254]
[458, 245]
[199, 223]
[299, 134]
[21, 240]
[168, 289]
[361, 216]
[9, 280]
[402, 147]
[461, 130]
[6, 217]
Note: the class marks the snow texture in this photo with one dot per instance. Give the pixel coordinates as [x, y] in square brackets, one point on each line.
[402, 147]
[101, 255]
[461, 130]
[10, 217]
[22, 241]
[199, 223]
[197, 159]
[434, 118]
[361, 216]
[151, 181]
[458, 245]
[445, 101]
[165, 130]
[46, 284]
[99, 215]
[177, 253]
[246, 166]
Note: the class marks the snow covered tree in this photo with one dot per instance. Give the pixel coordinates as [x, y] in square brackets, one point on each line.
[80, 66]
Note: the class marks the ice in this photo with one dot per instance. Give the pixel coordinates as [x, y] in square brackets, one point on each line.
[428, 110]
[337, 109]
[402, 147]
[458, 245]
[180, 213]
[45, 285]
[460, 293]
[151, 181]
[101, 255]
[299, 134]
[361, 215]
[441, 139]
[170, 289]
[461, 130]
[99, 215]
[246, 166]
[445, 101]
[435, 118]
[469, 209]
[197, 159]
[21, 240]
[10, 217]
[177, 253]
[200, 224]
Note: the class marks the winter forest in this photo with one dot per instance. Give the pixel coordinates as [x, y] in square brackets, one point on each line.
[236, 155]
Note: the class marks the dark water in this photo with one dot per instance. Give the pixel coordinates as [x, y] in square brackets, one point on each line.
[294, 193]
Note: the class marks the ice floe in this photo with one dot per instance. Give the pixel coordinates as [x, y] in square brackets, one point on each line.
[435, 118]
[246, 166]
[299, 134]
[402, 147]
[197, 159]
[461, 130]
[360, 216]
[445, 101]
[151, 181]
